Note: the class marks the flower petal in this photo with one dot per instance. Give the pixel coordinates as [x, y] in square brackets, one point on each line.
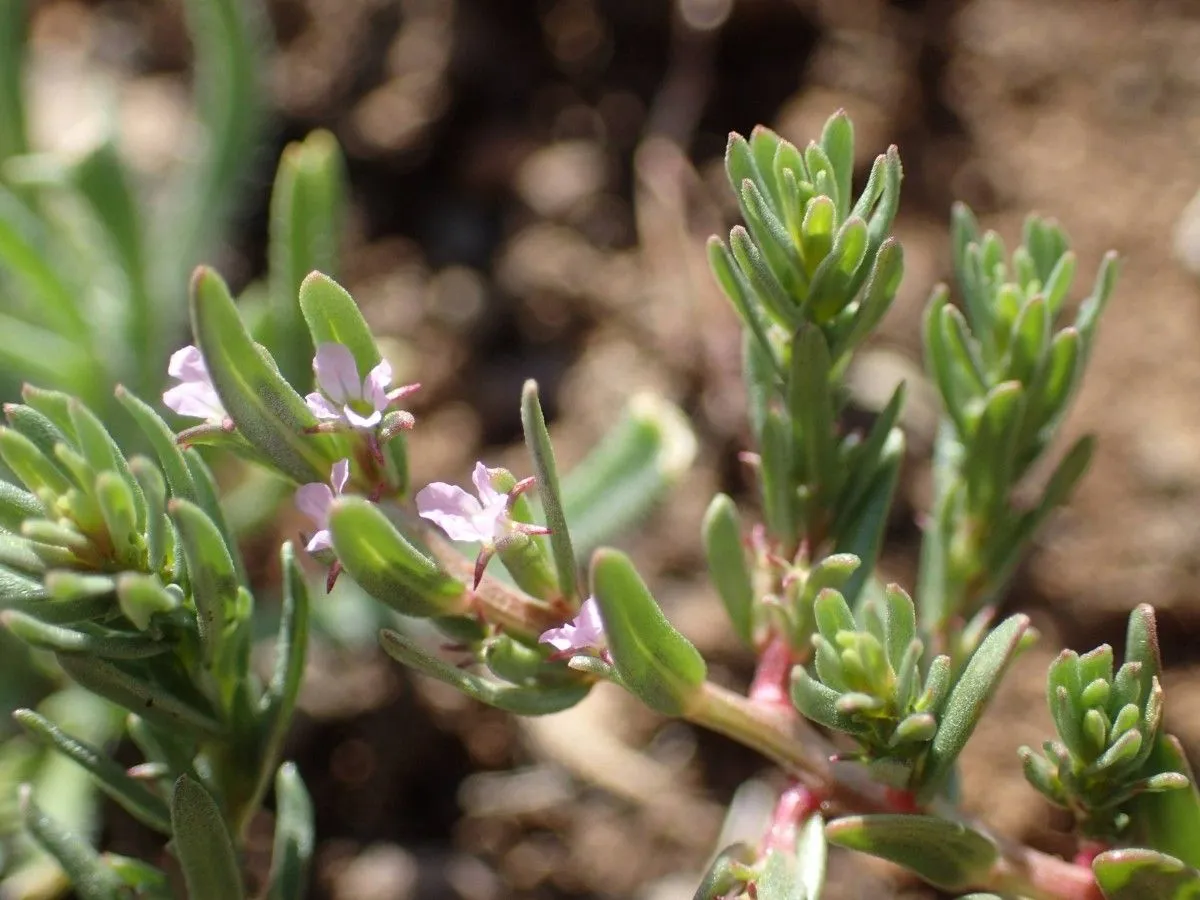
[195, 399]
[315, 500]
[583, 633]
[339, 476]
[322, 408]
[588, 624]
[375, 387]
[322, 540]
[361, 421]
[558, 638]
[187, 364]
[452, 509]
[488, 495]
[337, 372]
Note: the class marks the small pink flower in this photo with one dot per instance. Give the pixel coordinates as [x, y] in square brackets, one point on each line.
[485, 519]
[463, 517]
[582, 634]
[195, 395]
[343, 395]
[316, 501]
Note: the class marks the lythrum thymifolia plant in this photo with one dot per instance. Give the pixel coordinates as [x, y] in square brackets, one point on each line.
[126, 570]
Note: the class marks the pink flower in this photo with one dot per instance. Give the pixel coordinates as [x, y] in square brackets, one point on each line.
[316, 501]
[582, 634]
[343, 395]
[463, 517]
[486, 519]
[195, 395]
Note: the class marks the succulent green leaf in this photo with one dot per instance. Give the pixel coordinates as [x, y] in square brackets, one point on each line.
[654, 661]
[162, 440]
[269, 414]
[537, 441]
[948, 855]
[36, 470]
[861, 532]
[729, 871]
[735, 287]
[777, 477]
[1141, 645]
[1090, 310]
[835, 281]
[203, 844]
[47, 636]
[837, 140]
[295, 836]
[388, 567]
[141, 597]
[133, 795]
[17, 505]
[214, 582]
[90, 878]
[149, 699]
[306, 219]
[967, 700]
[1168, 821]
[523, 701]
[1139, 874]
[811, 408]
[773, 241]
[333, 317]
[819, 703]
[770, 294]
[728, 566]
[883, 280]
[992, 448]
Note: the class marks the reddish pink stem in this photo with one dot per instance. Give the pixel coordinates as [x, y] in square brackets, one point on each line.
[773, 675]
[795, 805]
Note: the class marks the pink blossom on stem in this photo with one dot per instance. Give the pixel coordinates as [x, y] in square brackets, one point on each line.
[195, 395]
[485, 518]
[583, 634]
[316, 501]
[343, 395]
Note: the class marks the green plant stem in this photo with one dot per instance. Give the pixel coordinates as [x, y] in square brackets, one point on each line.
[783, 737]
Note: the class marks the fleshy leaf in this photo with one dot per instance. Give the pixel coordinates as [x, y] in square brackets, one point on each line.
[1138, 874]
[291, 645]
[294, 836]
[333, 317]
[90, 878]
[653, 660]
[137, 799]
[203, 844]
[537, 440]
[523, 701]
[1168, 821]
[388, 567]
[967, 700]
[268, 413]
[134, 692]
[214, 582]
[306, 212]
[946, 854]
[727, 564]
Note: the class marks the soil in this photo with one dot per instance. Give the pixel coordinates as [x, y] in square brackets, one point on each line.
[532, 185]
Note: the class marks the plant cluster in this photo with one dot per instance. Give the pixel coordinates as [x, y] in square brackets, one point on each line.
[121, 566]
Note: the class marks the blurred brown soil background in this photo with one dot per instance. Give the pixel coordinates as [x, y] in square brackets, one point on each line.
[532, 184]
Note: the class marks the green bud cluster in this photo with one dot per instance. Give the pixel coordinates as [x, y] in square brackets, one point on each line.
[868, 680]
[1108, 725]
[1007, 371]
[811, 274]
